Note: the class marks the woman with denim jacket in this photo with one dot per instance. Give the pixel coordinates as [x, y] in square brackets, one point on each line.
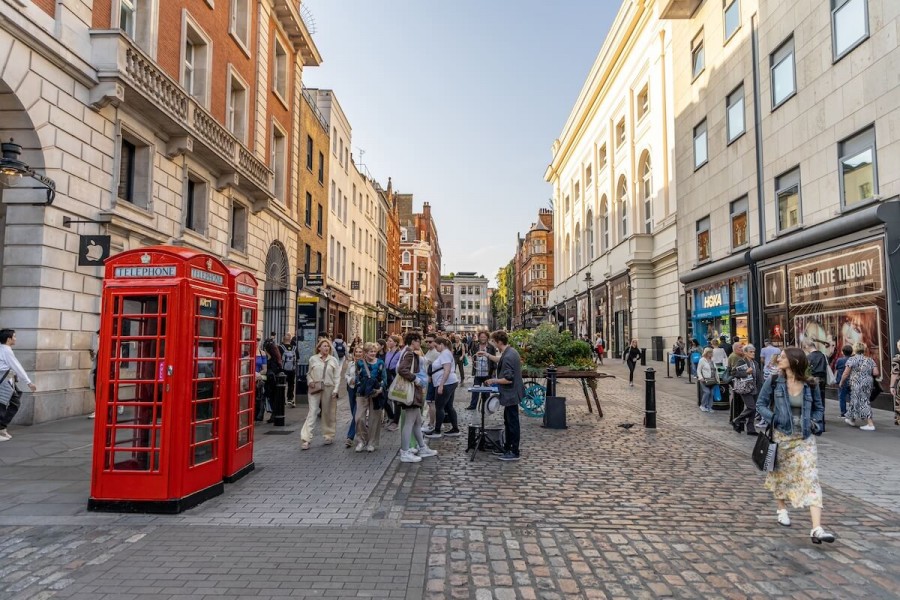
[798, 416]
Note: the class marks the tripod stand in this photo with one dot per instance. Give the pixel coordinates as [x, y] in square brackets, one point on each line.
[481, 437]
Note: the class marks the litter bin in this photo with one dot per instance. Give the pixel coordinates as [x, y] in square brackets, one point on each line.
[656, 343]
[555, 412]
[643, 357]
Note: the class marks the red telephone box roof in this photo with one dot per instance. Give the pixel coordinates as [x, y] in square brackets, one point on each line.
[167, 262]
[242, 281]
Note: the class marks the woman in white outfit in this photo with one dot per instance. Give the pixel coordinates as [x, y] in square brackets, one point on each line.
[322, 376]
[10, 365]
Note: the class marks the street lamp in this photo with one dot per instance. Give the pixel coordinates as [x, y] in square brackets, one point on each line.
[11, 167]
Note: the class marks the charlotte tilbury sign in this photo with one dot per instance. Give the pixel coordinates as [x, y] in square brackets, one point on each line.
[849, 273]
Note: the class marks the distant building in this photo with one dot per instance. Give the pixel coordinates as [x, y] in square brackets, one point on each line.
[469, 306]
[420, 260]
[534, 272]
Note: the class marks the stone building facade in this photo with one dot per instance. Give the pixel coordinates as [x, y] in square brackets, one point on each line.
[614, 201]
[152, 138]
[534, 272]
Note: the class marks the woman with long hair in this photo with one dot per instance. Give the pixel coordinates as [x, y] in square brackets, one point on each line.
[408, 367]
[322, 378]
[631, 355]
[393, 350]
[861, 372]
[350, 378]
[791, 403]
[459, 354]
[707, 378]
[371, 386]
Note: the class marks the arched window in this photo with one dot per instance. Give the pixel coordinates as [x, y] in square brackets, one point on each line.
[589, 236]
[604, 224]
[647, 192]
[567, 255]
[406, 257]
[622, 206]
[577, 249]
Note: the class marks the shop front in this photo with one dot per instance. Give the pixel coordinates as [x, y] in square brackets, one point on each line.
[720, 308]
[571, 310]
[582, 328]
[620, 301]
[338, 310]
[600, 304]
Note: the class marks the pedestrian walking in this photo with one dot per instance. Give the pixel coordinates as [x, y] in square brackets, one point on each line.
[630, 357]
[792, 403]
[12, 373]
[350, 381]
[720, 355]
[407, 368]
[371, 383]
[861, 372]
[445, 381]
[322, 378]
[512, 389]
[895, 384]
[459, 355]
[340, 348]
[95, 346]
[843, 388]
[747, 367]
[482, 367]
[768, 353]
[273, 369]
[818, 367]
[695, 352]
[599, 348]
[680, 352]
[707, 379]
[288, 351]
[431, 354]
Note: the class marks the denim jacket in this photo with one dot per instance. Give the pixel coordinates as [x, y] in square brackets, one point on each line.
[812, 413]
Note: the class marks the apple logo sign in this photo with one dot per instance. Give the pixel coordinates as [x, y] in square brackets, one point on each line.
[92, 250]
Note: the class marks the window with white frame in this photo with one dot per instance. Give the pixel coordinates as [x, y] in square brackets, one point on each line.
[647, 193]
[195, 61]
[407, 258]
[858, 168]
[701, 152]
[128, 16]
[238, 237]
[237, 107]
[567, 203]
[135, 170]
[783, 75]
[239, 26]
[643, 102]
[732, 16]
[353, 228]
[734, 113]
[601, 157]
[136, 20]
[604, 224]
[849, 25]
[620, 133]
[196, 205]
[622, 202]
[588, 176]
[589, 235]
[280, 70]
[787, 197]
[279, 156]
[578, 248]
[739, 209]
[403, 235]
[703, 241]
[577, 191]
[698, 55]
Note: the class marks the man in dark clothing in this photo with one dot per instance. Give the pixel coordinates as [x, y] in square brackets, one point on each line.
[818, 367]
[289, 366]
[512, 390]
[482, 367]
[723, 343]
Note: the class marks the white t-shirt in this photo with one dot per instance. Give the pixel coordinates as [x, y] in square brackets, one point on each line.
[437, 369]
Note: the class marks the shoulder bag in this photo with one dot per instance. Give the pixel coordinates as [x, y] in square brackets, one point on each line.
[314, 387]
[745, 385]
[8, 389]
[765, 451]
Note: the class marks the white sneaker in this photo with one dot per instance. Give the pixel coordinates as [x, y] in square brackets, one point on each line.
[850, 422]
[360, 447]
[867, 428]
[370, 448]
[92, 415]
[4, 434]
[819, 535]
[414, 450]
[425, 452]
[783, 518]
[409, 457]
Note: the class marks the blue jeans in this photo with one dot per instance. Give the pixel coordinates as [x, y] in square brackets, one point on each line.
[707, 397]
[843, 397]
[351, 396]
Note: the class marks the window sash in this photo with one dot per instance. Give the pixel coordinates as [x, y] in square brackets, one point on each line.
[703, 240]
[858, 168]
[854, 30]
[701, 150]
[735, 114]
[732, 18]
[698, 56]
[783, 73]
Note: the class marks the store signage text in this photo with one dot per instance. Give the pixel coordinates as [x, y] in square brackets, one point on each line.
[246, 290]
[135, 272]
[844, 275]
[207, 276]
[712, 301]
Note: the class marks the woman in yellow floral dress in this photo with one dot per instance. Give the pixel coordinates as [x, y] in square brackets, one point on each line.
[792, 404]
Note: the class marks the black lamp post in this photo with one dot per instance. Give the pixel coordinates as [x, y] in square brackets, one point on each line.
[11, 167]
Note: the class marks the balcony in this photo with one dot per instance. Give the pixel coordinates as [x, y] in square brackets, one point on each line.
[129, 76]
[679, 9]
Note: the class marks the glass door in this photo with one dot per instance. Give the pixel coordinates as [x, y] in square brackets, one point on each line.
[206, 381]
[246, 377]
[134, 410]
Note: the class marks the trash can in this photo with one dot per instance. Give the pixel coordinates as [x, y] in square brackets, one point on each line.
[656, 343]
[643, 357]
[555, 412]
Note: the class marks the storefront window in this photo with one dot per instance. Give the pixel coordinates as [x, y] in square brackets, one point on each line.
[858, 173]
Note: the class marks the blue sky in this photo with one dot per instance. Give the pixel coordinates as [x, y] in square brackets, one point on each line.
[459, 102]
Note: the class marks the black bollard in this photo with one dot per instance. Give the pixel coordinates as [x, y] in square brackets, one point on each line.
[278, 401]
[650, 399]
[668, 361]
[551, 381]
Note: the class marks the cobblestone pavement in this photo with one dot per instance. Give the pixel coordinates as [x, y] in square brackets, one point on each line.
[594, 511]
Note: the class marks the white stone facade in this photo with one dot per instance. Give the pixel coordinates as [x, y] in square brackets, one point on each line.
[470, 302]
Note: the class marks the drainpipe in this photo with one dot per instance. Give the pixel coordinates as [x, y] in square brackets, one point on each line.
[756, 298]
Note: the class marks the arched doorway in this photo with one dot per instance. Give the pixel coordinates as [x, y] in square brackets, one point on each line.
[275, 298]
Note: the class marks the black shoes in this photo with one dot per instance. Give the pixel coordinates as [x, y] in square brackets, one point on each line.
[739, 427]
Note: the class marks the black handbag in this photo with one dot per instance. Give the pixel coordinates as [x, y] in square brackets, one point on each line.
[765, 451]
[876, 390]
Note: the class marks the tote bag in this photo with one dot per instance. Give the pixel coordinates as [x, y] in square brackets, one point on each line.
[402, 391]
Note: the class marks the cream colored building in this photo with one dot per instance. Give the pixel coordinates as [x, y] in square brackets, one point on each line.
[614, 194]
[149, 143]
[365, 222]
[786, 121]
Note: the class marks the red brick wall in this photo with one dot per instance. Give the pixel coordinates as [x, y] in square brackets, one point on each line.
[99, 14]
[277, 109]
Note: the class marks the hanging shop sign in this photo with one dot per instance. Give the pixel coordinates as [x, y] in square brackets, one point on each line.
[775, 289]
[857, 272]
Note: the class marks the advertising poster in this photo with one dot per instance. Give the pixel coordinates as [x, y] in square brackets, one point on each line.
[582, 316]
[830, 331]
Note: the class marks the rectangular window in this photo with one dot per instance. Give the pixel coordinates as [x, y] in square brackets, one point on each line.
[643, 102]
[849, 25]
[135, 168]
[240, 21]
[784, 81]
[309, 153]
[238, 227]
[321, 168]
[279, 150]
[307, 259]
[577, 191]
[318, 262]
[195, 205]
[859, 168]
[309, 210]
[734, 112]
[601, 156]
[280, 70]
[701, 151]
[703, 245]
[588, 177]
[698, 56]
[319, 212]
[127, 156]
[127, 17]
[787, 197]
[732, 17]
[620, 133]
[195, 63]
[739, 223]
[237, 108]
[353, 241]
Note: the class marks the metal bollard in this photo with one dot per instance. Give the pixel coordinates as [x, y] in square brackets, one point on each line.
[668, 358]
[551, 381]
[278, 401]
[650, 399]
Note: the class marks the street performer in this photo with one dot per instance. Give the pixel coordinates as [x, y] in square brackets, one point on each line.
[512, 390]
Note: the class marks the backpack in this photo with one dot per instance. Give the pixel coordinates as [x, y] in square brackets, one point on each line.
[340, 348]
[288, 358]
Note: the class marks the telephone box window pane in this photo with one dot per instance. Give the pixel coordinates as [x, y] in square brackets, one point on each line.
[203, 432]
[207, 328]
[206, 390]
[244, 402]
[206, 349]
[245, 383]
[208, 307]
[203, 453]
[243, 437]
[203, 411]
[131, 461]
[246, 332]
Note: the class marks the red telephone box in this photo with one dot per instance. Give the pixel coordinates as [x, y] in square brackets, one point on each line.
[241, 380]
[160, 382]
